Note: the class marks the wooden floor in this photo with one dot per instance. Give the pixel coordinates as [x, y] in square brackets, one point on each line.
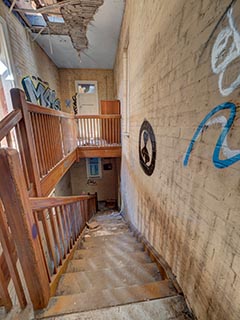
[109, 269]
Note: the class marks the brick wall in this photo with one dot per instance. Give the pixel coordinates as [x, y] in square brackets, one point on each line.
[190, 214]
[28, 57]
[102, 76]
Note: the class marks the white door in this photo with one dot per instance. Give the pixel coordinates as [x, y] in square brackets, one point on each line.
[87, 97]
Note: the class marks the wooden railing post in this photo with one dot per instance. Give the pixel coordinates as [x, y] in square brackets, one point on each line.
[19, 102]
[23, 227]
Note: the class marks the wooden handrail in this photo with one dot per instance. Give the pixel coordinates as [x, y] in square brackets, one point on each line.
[42, 203]
[9, 122]
[44, 110]
[98, 116]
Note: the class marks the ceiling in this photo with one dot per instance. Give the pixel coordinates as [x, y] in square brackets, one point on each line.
[102, 33]
[73, 33]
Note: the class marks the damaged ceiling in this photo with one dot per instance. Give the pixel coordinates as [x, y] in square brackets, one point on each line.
[74, 33]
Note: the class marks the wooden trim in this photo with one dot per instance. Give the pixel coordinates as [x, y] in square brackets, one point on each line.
[21, 222]
[51, 179]
[9, 122]
[34, 108]
[41, 203]
[100, 152]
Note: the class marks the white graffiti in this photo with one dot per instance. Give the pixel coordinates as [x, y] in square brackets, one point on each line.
[226, 49]
[227, 152]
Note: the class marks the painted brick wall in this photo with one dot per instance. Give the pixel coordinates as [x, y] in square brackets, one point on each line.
[28, 57]
[104, 77]
[190, 214]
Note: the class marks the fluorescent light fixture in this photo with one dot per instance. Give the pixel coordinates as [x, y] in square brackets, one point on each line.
[3, 68]
[10, 77]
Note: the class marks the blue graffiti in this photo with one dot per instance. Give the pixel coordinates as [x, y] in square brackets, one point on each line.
[221, 142]
[40, 93]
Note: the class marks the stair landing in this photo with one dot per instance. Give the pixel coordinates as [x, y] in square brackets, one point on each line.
[110, 276]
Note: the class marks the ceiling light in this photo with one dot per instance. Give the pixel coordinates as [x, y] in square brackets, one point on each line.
[3, 68]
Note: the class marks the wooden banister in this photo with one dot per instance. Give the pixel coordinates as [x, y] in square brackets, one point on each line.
[41, 203]
[25, 134]
[23, 227]
[9, 122]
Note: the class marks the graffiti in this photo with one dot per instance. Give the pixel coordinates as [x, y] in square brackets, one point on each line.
[147, 148]
[40, 93]
[231, 156]
[225, 50]
[74, 98]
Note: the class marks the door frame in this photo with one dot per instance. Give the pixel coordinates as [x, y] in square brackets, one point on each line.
[77, 82]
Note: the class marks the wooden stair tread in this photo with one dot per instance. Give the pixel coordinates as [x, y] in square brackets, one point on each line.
[77, 265]
[76, 282]
[107, 298]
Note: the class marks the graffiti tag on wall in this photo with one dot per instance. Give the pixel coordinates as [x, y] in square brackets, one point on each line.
[147, 148]
[232, 156]
[225, 50]
[38, 92]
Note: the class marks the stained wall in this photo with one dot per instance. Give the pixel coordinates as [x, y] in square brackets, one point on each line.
[184, 62]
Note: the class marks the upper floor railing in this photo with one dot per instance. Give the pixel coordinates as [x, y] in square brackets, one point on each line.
[99, 130]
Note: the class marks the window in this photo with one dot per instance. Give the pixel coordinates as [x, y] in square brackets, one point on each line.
[94, 169]
[6, 74]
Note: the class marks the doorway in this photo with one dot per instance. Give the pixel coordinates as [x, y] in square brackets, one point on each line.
[87, 97]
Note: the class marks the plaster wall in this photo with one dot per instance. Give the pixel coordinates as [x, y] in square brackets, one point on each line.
[178, 73]
[106, 187]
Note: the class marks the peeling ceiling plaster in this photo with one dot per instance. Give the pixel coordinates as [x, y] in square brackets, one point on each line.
[102, 33]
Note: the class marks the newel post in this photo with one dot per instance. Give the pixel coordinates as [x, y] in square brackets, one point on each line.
[26, 132]
[23, 228]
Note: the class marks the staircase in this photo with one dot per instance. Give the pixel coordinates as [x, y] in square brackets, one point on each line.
[110, 268]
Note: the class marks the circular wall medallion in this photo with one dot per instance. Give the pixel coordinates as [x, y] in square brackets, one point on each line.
[147, 148]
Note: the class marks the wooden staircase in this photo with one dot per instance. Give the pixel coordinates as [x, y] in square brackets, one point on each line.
[109, 268]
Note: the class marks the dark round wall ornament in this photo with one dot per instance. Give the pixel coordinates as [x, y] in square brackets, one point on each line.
[147, 148]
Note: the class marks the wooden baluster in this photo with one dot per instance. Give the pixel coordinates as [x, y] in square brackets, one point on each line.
[45, 142]
[5, 297]
[58, 138]
[69, 226]
[55, 235]
[23, 159]
[75, 219]
[51, 250]
[37, 143]
[19, 102]
[65, 227]
[36, 218]
[50, 137]
[53, 138]
[6, 246]
[61, 232]
[40, 130]
[9, 140]
[21, 222]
